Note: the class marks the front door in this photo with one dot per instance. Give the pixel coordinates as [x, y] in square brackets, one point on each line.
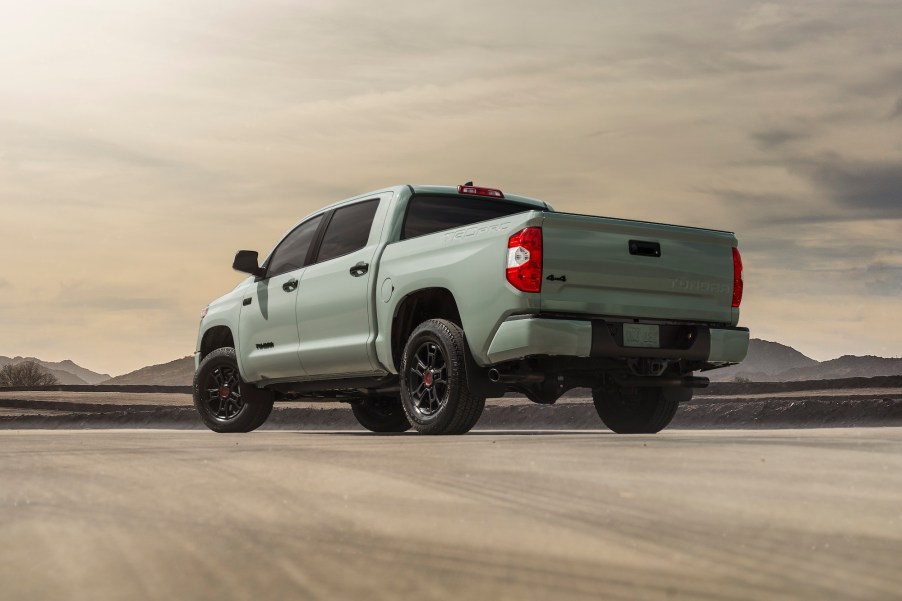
[268, 332]
[267, 327]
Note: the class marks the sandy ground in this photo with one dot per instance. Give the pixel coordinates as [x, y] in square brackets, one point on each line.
[140, 514]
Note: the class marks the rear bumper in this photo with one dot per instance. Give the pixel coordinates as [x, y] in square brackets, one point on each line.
[521, 337]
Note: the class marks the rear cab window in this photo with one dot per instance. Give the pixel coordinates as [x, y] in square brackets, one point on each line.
[427, 214]
[348, 230]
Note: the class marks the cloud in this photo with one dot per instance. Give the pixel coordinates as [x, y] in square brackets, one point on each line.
[118, 303]
[897, 110]
[40, 143]
[883, 275]
[86, 295]
[872, 188]
[777, 137]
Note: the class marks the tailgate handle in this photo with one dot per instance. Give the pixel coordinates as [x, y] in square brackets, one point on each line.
[645, 249]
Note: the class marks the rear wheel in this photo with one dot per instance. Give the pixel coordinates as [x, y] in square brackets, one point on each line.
[383, 414]
[224, 401]
[434, 389]
[644, 410]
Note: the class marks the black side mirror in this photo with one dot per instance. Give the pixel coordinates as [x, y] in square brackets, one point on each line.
[246, 261]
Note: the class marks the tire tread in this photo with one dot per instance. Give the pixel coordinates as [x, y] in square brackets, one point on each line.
[258, 404]
[663, 408]
[466, 406]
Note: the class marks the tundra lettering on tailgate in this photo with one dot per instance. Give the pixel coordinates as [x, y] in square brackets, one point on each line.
[698, 285]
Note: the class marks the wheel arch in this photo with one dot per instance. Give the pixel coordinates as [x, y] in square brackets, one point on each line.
[415, 308]
[214, 338]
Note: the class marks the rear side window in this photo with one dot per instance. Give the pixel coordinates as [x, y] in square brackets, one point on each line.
[430, 214]
[348, 230]
[292, 252]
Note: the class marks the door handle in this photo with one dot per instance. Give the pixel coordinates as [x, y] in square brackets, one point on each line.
[359, 269]
[290, 285]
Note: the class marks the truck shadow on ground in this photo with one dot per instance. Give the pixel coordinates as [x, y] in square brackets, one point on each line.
[412, 434]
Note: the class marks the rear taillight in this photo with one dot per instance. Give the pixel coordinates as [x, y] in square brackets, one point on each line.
[524, 260]
[737, 278]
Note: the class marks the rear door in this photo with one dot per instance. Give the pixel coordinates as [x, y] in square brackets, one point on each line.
[614, 267]
[333, 306]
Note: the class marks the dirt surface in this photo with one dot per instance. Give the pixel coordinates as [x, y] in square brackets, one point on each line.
[877, 406]
[141, 514]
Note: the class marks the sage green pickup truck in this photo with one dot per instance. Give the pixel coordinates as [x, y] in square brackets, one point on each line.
[417, 303]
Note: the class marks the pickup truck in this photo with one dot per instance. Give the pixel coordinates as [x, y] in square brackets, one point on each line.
[417, 303]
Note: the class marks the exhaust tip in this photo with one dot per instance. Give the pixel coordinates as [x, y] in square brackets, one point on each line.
[494, 376]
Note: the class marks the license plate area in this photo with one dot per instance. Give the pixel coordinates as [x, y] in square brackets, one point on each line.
[641, 335]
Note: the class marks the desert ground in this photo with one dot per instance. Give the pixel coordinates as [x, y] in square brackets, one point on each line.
[776, 491]
[685, 514]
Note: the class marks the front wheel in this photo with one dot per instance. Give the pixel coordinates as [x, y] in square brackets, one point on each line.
[224, 401]
[434, 389]
[645, 410]
[383, 414]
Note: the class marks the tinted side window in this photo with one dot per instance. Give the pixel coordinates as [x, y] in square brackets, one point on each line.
[429, 214]
[348, 231]
[292, 252]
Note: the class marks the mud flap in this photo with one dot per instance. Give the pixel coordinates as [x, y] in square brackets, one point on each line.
[478, 379]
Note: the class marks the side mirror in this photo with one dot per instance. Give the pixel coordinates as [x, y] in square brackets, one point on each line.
[246, 261]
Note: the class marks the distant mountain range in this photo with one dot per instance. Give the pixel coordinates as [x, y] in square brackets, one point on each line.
[175, 373]
[66, 371]
[775, 362]
[766, 362]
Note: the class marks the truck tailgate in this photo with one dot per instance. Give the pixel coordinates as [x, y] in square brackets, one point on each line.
[612, 267]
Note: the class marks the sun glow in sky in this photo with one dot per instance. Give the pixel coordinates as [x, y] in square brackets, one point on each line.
[143, 142]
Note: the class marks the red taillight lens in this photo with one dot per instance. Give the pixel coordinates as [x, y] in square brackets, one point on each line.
[737, 278]
[524, 260]
[478, 191]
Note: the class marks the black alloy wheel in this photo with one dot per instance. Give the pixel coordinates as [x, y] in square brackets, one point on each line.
[435, 392]
[224, 401]
[224, 393]
[427, 380]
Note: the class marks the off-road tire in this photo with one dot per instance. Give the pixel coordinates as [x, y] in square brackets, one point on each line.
[381, 414]
[245, 407]
[643, 410]
[454, 408]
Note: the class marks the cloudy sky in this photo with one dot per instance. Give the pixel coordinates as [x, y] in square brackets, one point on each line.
[142, 143]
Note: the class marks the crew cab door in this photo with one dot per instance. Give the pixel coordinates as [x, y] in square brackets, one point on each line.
[333, 306]
[267, 327]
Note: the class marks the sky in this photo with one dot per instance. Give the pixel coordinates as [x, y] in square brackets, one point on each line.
[143, 142]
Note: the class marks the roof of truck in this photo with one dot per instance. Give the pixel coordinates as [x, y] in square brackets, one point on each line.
[445, 190]
[429, 189]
